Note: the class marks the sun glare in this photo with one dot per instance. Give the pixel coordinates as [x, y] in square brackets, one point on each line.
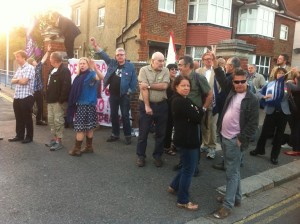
[15, 13]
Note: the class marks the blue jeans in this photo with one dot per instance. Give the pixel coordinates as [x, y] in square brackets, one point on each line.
[159, 117]
[124, 103]
[182, 181]
[232, 159]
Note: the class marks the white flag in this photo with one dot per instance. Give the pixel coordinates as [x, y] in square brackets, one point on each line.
[171, 57]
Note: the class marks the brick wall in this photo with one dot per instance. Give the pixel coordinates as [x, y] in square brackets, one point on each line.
[206, 35]
[156, 26]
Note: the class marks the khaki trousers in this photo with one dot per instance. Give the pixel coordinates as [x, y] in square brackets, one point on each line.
[56, 121]
[209, 133]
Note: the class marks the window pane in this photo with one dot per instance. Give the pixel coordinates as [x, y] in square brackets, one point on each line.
[188, 50]
[170, 6]
[219, 15]
[243, 13]
[202, 12]
[161, 4]
[242, 27]
[226, 18]
[191, 12]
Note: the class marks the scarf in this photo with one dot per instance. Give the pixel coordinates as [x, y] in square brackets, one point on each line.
[74, 95]
[276, 88]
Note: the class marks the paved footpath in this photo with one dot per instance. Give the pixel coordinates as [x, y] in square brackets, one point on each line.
[39, 186]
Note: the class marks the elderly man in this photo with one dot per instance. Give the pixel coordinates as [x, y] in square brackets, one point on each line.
[153, 107]
[255, 80]
[122, 81]
[23, 98]
[237, 124]
[208, 126]
[57, 94]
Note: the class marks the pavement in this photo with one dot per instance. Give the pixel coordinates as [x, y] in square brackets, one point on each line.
[39, 186]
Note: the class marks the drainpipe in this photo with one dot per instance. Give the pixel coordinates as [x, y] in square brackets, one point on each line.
[124, 30]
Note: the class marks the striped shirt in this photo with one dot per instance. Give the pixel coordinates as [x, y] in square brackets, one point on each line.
[23, 91]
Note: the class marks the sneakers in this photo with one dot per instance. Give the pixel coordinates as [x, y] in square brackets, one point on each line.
[112, 139]
[56, 146]
[211, 153]
[286, 146]
[222, 213]
[188, 206]
[204, 149]
[50, 143]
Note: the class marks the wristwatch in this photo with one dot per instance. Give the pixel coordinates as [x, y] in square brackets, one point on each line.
[204, 109]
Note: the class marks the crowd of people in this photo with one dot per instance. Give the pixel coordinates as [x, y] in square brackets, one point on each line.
[187, 105]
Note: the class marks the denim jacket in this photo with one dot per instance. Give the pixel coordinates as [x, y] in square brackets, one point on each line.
[128, 78]
[249, 115]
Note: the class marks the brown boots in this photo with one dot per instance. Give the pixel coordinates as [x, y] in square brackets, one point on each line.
[89, 147]
[76, 150]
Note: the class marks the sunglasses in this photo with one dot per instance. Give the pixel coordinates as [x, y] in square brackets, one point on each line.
[173, 69]
[239, 81]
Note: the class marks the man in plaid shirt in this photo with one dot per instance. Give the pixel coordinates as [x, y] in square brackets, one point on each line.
[23, 98]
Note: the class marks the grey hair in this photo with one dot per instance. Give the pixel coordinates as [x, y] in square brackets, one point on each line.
[120, 49]
[156, 54]
[252, 65]
[235, 62]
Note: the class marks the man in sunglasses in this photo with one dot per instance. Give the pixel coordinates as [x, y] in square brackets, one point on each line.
[122, 81]
[238, 122]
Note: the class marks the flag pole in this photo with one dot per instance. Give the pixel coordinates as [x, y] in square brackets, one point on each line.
[7, 57]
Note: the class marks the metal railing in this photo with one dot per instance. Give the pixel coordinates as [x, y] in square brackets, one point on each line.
[6, 80]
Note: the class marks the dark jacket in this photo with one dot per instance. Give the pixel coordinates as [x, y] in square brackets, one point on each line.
[248, 117]
[186, 117]
[59, 85]
[67, 27]
[128, 79]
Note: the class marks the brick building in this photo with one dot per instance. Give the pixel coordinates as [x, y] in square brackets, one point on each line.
[266, 27]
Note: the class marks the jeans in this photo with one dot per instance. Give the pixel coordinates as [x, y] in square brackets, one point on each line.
[232, 159]
[159, 117]
[124, 103]
[182, 181]
[23, 114]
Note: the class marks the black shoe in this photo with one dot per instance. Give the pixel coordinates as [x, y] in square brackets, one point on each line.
[1, 138]
[274, 161]
[219, 166]
[15, 139]
[158, 162]
[127, 140]
[43, 123]
[112, 139]
[140, 162]
[27, 140]
[255, 153]
[177, 167]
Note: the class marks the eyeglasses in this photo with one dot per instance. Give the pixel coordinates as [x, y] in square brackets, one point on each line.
[120, 55]
[239, 81]
[173, 69]
[207, 59]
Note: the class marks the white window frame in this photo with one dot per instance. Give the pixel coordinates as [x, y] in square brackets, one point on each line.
[101, 17]
[263, 21]
[209, 11]
[264, 66]
[163, 6]
[193, 52]
[77, 16]
[76, 53]
[284, 32]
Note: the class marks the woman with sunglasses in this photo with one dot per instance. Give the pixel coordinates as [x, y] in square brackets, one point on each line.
[170, 149]
[275, 97]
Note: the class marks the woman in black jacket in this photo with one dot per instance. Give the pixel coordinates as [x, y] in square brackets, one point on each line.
[186, 117]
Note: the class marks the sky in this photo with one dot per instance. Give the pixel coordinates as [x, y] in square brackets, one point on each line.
[15, 13]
